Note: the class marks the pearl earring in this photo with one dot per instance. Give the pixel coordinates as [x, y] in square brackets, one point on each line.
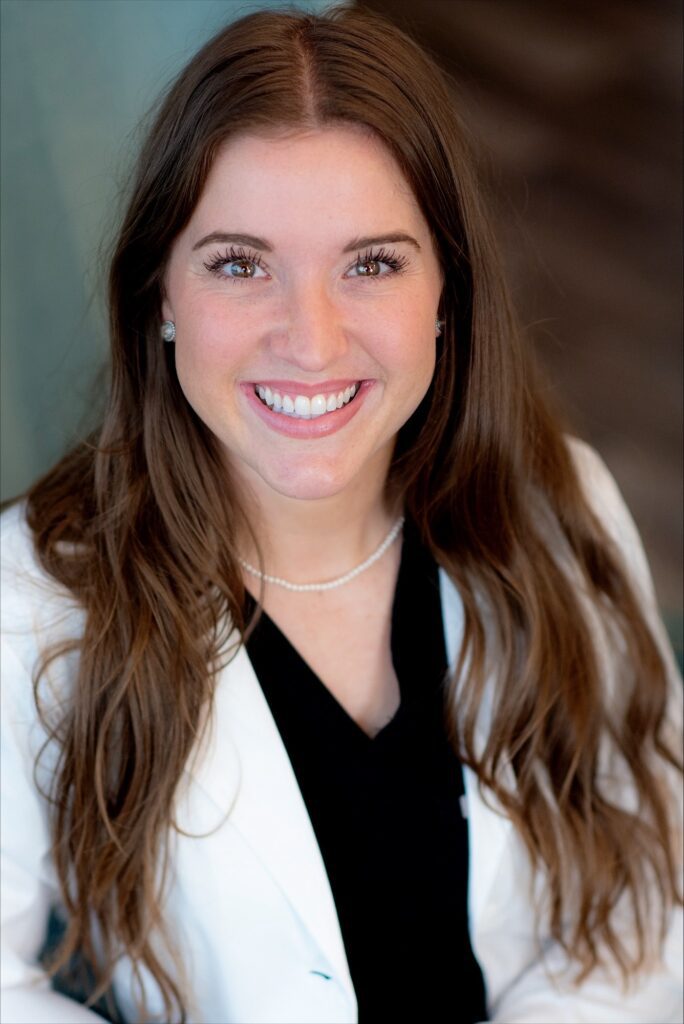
[438, 326]
[168, 331]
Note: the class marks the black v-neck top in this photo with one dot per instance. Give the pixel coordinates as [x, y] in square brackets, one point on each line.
[387, 811]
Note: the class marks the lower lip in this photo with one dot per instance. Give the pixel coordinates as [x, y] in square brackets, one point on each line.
[320, 426]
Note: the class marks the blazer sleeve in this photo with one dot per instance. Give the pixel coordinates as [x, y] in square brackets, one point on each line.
[540, 995]
[28, 887]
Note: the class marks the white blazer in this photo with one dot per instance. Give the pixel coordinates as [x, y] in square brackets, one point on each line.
[249, 901]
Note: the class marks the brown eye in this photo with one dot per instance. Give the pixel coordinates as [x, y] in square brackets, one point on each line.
[236, 264]
[369, 268]
[241, 268]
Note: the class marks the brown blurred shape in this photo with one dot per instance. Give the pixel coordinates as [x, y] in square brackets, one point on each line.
[578, 109]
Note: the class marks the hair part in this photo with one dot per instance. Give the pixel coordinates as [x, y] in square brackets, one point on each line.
[150, 519]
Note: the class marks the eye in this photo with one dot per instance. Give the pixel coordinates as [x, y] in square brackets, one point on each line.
[235, 264]
[368, 268]
[371, 263]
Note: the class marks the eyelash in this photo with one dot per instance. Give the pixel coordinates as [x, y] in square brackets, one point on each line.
[216, 263]
[393, 259]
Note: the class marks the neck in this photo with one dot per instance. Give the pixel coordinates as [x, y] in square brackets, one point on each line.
[315, 539]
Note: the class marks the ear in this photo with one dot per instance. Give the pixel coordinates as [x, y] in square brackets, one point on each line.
[167, 311]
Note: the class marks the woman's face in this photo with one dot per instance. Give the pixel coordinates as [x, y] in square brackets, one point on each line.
[306, 274]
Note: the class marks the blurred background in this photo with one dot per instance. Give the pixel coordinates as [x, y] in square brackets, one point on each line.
[577, 110]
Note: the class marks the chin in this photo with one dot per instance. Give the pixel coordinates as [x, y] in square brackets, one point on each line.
[307, 483]
[305, 490]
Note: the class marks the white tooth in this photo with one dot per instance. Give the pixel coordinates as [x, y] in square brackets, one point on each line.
[340, 399]
[331, 404]
[352, 390]
[260, 391]
[288, 404]
[318, 405]
[302, 406]
[347, 395]
[268, 397]
[277, 401]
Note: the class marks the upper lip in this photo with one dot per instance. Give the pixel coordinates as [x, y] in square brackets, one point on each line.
[293, 387]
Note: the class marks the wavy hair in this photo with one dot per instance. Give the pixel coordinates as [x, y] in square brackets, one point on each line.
[140, 522]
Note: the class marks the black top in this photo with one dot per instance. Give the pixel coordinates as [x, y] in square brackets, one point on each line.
[387, 811]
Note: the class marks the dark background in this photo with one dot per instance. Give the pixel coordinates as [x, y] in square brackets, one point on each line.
[577, 107]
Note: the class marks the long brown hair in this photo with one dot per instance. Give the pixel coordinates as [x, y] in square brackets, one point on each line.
[150, 519]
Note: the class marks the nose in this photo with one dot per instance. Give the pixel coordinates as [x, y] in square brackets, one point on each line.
[312, 336]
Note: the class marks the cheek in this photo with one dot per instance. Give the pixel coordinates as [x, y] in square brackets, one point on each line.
[412, 357]
[423, 370]
[208, 349]
[410, 342]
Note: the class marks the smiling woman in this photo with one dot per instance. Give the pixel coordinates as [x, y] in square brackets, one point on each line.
[335, 686]
[310, 315]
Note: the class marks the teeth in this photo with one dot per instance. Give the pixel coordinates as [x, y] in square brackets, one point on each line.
[303, 407]
[318, 405]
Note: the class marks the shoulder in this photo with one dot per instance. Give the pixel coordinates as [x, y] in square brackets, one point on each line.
[598, 484]
[17, 553]
[26, 586]
[35, 610]
[605, 501]
[603, 496]
[599, 487]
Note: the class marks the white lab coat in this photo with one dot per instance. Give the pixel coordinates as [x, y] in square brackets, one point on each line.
[249, 901]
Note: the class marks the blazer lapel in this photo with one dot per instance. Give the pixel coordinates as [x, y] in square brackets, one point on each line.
[490, 830]
[245, 770]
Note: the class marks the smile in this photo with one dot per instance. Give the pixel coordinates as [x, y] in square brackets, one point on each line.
[303, 407]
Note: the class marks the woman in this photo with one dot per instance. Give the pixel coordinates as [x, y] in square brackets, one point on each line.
[350, 696]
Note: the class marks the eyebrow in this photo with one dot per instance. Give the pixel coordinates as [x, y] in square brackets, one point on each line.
[394, 236]
[264, 246]
[236, 239]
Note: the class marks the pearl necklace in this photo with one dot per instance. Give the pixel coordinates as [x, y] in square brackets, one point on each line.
[331, 584]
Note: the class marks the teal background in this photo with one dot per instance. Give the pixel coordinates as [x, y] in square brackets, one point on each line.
[77, 76]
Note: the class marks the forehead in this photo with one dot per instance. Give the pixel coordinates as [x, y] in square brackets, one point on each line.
[314, 179]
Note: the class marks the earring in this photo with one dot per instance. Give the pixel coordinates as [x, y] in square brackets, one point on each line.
[438, 326]
[168, 330]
